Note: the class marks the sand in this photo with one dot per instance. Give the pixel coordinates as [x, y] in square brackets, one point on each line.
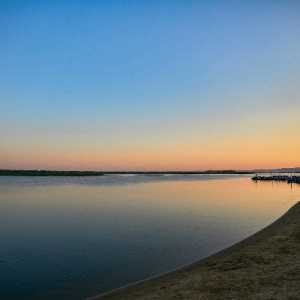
[263, 266]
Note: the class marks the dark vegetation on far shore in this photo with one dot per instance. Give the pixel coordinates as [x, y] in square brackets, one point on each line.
[95, 173]
[48, 173]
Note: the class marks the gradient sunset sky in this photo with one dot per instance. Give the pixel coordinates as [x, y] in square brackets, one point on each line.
[149, 85]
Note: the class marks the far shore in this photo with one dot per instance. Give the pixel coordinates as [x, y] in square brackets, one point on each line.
[265, 265]
[101, 173]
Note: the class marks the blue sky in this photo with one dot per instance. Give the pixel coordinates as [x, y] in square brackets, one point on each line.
[142, 76]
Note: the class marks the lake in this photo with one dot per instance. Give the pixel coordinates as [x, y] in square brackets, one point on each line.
[76, 237]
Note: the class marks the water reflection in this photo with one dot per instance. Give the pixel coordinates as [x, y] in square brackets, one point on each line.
[77, 237]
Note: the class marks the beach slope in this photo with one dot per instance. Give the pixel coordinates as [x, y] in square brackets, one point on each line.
[264, 266]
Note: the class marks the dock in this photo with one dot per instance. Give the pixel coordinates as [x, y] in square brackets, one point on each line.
[286, 178]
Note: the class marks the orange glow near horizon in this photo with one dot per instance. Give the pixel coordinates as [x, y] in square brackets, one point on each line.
[242, 153]
[264, 143]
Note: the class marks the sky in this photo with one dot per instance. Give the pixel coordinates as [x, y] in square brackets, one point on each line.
[149, 85]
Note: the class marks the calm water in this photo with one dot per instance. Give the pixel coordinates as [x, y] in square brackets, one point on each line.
[73, 238]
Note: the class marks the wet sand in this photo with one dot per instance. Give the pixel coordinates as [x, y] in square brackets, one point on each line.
[264, 266]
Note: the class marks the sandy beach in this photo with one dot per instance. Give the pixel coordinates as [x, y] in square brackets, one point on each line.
[265, 265]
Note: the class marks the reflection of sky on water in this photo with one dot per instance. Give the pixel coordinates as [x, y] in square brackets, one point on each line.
[62, 237]
[108, 179]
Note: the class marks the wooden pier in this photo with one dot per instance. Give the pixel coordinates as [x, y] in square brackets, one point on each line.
[286, 178]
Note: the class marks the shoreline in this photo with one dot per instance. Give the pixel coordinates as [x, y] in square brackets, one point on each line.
[264, 265]
[43, 173]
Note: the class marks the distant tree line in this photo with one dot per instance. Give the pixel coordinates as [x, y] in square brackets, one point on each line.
[48, 173]
[224, 172]
[95, 173]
